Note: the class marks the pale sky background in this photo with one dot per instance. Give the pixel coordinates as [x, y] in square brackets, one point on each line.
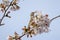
[21, 17]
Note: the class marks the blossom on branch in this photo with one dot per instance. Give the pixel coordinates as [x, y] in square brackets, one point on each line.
[15, 37]
[14, 5]
[5, 6]
[40, 23]
[2, 6]
[6, 3]
[28, 31]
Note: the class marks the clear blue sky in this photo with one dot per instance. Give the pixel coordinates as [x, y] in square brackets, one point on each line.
[21, 17]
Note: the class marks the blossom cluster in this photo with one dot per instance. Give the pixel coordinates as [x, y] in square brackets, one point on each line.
[15, 37]
[6, 3]
[28, 31]
[38, 24]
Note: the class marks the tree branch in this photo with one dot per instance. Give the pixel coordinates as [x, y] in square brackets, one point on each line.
[5, 13]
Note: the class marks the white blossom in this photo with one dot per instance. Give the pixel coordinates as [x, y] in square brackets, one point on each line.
[41, 23]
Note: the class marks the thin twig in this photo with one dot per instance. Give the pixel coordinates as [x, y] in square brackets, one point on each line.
[22, 35]
[5, 13]
[54, 18]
